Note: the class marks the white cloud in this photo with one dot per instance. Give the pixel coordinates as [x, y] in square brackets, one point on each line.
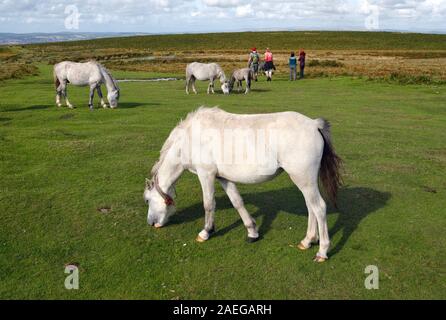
[244, 11]
[222, 3]
[210, 15]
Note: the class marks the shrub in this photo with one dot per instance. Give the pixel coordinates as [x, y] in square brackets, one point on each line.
[17, 71]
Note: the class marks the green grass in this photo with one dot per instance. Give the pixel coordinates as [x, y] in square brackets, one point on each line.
[58, 166]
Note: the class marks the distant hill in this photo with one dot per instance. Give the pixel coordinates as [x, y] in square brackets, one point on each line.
[285, 40]
[29, 38]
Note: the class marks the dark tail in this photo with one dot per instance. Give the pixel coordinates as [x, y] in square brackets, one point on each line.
[331, 164]
[56, 79]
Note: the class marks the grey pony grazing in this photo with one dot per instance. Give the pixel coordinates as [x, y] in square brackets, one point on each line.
[240, 75]
[203, 72]
[91, 74]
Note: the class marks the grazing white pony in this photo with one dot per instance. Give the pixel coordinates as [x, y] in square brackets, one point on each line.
[240, 75]
[90, 74]
[204, 72]
[232, 148]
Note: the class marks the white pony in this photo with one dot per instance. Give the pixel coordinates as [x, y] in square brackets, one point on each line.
[203, 72]
[207, 143]
[90, 74]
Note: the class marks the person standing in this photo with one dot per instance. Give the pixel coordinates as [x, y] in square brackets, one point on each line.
[302, 56]
[269, 64]
[253, 62]
[293, 66]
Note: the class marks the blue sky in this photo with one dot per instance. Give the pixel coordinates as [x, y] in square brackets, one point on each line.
[179, 16]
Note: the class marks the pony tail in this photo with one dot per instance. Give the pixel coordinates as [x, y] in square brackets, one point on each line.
[56, 79]
[331, 164]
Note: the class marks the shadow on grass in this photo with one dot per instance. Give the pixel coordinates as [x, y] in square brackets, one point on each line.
[242, 92]
[131, 105]
[355, 204]
[36, 107]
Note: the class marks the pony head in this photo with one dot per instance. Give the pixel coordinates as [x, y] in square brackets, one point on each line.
[225, 87]
[161, 205]
[224, 82]
[113, 98]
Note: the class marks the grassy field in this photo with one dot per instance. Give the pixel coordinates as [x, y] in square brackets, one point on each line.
[394, 57]
[59, 166]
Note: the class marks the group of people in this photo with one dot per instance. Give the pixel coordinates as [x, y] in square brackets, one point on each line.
[254, 64]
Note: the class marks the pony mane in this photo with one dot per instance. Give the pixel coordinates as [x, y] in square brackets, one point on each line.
[183, 124]
[107, 72]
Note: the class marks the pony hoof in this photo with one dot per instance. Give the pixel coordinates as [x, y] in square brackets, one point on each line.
[300, 246]
[252, 240]
[200, 239]
[319, 259]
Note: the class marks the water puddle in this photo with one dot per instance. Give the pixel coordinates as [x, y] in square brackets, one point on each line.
[149, 80]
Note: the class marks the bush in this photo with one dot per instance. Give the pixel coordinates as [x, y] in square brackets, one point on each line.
[17, 71]
[411, 79]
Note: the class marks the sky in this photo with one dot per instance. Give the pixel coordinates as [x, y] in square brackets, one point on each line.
[184, 16]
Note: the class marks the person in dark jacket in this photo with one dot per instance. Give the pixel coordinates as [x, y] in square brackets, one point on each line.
[293, 66]
[302, 56]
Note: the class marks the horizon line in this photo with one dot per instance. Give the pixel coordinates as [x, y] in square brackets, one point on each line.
[230, 31]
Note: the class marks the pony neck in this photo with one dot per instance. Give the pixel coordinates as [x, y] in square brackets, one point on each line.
[109, 82]
[169, 172]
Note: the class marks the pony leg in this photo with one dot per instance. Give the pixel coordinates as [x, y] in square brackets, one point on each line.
[193, 86]
[207, 181]
[317, 219]
[64, 93]
[237, 201]
[99, 90]
[90, 102]
[187, 85]
[58, 95]
[59, 91]
[248, 84]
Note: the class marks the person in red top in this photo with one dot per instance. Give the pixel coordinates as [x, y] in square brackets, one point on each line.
[269, 64]
[301, 60]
